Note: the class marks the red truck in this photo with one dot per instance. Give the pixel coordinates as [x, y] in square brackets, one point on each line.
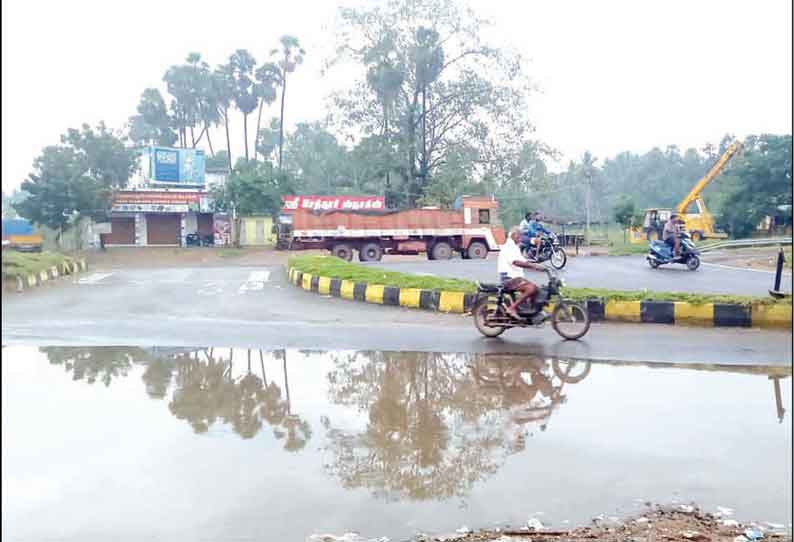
[472, 229]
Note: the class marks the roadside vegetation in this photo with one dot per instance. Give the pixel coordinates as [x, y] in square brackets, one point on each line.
[19, 264]
[329, 266]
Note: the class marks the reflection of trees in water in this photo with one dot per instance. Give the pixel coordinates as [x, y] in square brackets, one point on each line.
[205, 391]
[92, 364]
[437, 423]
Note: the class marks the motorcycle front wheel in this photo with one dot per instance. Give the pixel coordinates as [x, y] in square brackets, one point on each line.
[558, 258]
[692, 263]
[481, 313]
[570, 320]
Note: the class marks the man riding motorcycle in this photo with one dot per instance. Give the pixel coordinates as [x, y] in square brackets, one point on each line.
[510, 266]
[671, 234]
[533, 234]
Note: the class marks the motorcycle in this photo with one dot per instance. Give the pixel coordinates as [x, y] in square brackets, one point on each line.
[660, 253]
[550, 250]
[198, 240]
[568, 318]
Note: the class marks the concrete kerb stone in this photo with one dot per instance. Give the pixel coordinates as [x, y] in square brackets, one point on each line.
[649, 312]
[37, 279]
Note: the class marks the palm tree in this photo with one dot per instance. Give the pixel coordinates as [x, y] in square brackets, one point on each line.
[291, 56]
[245, 93]
[223, 85]
[268, 77]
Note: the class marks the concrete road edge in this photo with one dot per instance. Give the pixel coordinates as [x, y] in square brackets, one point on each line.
[649, 312]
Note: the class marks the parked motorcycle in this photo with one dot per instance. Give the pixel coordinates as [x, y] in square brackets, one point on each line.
[550, 250]
[198, 240]
[568, 318]
[660, 253]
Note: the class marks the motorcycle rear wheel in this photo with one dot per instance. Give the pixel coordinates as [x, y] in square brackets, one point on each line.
[692, 263]
[481, 312]
[574, 371]
[570, 320]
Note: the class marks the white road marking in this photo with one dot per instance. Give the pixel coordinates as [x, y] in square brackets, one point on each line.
[256, 281]
[210, 288]
[743, 268]
[93, 278]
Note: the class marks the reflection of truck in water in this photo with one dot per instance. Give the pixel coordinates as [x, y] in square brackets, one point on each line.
[18, 235]
[472, 228]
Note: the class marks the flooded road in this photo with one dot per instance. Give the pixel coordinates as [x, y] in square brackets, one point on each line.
[221, 444]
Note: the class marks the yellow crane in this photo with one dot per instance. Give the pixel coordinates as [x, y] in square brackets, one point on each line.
[700, 222]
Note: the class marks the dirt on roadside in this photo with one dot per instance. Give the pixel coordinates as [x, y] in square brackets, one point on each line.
[763, 258]
[661, 523]
[153, 257]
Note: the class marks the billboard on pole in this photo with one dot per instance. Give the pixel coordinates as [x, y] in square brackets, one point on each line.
[177, 166]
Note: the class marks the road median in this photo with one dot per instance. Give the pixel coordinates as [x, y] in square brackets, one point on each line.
[331, 276]
[24, 271]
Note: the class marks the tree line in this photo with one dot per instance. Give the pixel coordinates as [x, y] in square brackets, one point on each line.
[434, 112]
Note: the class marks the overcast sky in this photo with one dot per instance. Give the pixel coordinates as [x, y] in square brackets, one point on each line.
[615, 75]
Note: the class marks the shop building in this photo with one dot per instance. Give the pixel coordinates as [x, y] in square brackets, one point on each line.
[150, 216]
[167, 204]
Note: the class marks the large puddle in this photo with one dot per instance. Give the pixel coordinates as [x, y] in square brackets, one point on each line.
[220, 444]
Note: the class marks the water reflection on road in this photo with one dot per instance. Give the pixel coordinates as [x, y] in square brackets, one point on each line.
[279, 444]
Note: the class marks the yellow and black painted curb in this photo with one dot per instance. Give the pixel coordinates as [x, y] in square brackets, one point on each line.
[651, 312]
[37, 279]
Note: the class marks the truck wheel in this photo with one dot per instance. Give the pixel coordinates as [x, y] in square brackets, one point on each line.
[477, 250]
[343, 251]
[370, 252]
[697, 236]
[442, 251]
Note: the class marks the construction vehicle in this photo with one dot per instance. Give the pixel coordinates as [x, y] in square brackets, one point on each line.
[472, 229]
[699, 224]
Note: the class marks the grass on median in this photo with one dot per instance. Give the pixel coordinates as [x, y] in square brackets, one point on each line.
[329, 266]
[21, 264]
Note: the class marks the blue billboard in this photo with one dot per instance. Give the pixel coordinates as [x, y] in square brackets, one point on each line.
[177, 166]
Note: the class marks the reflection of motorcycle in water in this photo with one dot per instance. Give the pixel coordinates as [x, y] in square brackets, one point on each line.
[531, 384]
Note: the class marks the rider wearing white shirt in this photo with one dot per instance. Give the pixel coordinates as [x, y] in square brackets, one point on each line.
[511, 265]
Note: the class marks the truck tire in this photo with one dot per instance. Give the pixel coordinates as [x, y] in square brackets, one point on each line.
[342, 251]
[477, 250]
[697, 236]
[370, 252]
[442, 251]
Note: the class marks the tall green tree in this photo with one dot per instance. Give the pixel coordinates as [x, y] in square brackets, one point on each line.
[450, 90]
[268, 78]
[224, 87]
[764, 172]
[290, 56]
[152, 125]
[316, 160]
[77, 176]
[246, 95]
[252, 188]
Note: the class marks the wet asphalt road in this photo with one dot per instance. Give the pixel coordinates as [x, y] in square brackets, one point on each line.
[613, 272]
[256, 307]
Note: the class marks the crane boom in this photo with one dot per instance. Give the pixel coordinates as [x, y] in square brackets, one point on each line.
[715, 170]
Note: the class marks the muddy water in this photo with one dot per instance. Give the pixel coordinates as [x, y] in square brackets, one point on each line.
[220, 444]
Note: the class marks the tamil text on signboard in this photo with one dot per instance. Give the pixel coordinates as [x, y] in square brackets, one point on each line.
[332, 203]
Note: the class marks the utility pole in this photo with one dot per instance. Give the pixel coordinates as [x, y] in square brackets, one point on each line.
[588, 176]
